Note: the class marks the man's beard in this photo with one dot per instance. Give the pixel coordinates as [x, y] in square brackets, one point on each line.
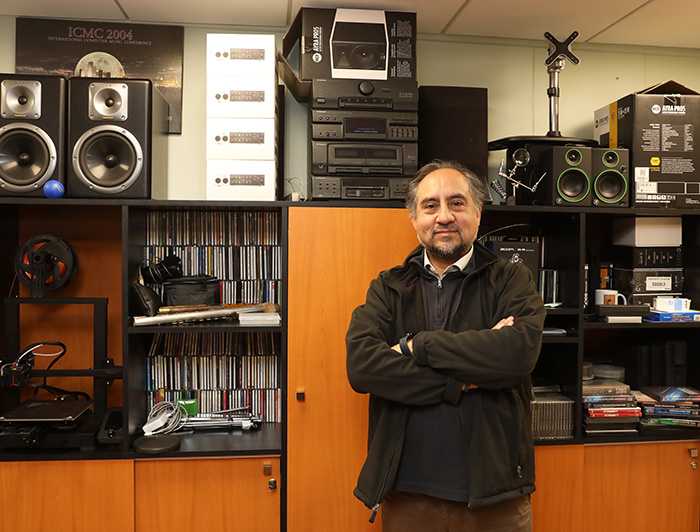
[448, 251]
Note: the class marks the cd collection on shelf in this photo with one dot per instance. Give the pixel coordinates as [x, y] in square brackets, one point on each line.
[222, 370]
[240, 248]
[552, 417]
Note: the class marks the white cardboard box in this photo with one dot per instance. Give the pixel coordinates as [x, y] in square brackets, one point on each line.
[241, 180]
[241, 96]
[232, 54]
[648, 231]
[252, 139]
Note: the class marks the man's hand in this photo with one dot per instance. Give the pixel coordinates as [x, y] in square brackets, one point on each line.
[397, 347]
[505, 322]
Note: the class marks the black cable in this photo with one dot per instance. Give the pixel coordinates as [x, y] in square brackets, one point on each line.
[511, 226]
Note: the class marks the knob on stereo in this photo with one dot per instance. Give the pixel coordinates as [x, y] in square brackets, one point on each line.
[366, 88]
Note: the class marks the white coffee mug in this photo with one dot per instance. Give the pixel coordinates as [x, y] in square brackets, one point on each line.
[605, 296]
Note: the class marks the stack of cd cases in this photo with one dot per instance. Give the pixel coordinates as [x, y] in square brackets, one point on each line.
[552, 417]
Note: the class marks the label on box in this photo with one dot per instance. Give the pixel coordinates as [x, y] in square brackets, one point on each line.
[641, 174]
[658, 284]
[646, 187]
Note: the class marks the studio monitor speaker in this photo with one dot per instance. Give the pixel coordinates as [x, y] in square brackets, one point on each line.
[117, 139]
[610, 174]
[32, 133]
[453, 125]
[567, 177]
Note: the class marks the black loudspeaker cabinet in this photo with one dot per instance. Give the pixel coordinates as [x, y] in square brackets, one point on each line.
[117, 139]
[32, 133]
[565, 173]
[610, 174]
[453, 125]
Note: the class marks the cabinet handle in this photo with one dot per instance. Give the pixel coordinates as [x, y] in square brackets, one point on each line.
[301, 395]
[271, 484]
[694, 465]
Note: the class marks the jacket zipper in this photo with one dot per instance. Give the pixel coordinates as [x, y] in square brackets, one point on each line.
[375, 508]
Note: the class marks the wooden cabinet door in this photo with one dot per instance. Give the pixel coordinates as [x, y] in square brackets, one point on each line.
[67, 495]
[222, 494]
[558, 501]
[645, 487]
[333, 255]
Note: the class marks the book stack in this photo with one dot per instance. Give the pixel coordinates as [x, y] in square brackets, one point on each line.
[669, 406]
[609, 408]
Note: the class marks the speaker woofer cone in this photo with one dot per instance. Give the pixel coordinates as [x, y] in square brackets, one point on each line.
[573, 185]
[107, 159]
[365, 56]
[27, 157]
[610, 186]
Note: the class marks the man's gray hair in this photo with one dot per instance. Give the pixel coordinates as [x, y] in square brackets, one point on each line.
[477, 188]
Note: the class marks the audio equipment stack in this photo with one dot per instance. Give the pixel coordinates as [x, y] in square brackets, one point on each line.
[32, 133]
[242, 117]
[364, 138]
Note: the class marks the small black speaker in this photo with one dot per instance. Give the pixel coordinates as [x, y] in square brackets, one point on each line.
[117, 139]
[32, 133]
[453, 125]
[610, 174]
[567, 177]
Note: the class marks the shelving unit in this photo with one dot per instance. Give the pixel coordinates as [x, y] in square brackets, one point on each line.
[328, 252]
[243, 247]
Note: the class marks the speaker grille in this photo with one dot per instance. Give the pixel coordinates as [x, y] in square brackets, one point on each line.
[573, 185]
[108, 159]
[610, 186]
[27, 157]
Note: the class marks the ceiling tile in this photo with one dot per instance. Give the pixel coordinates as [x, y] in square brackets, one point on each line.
[221, 12]
[431, 17]
[657, 23]
[517, 19]
[67, 9]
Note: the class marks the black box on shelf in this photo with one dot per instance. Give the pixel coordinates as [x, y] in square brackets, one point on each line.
[648, 280]
[362, 44]
[647, 256]
[515, 251]
[657, 125]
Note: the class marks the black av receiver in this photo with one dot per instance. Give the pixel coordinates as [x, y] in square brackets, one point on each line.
[364, 138]
[344, 158]
[372, 187]
[329, 124]
[376, 95]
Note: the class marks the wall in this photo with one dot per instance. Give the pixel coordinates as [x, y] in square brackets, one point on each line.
[513, 71]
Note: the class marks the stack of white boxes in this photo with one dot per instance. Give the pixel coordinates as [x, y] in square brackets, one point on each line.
[242, 125]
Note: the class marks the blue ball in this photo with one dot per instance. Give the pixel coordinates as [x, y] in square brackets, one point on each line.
[54, 189]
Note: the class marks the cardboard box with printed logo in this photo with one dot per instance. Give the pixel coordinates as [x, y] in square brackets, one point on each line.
[658, 126]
